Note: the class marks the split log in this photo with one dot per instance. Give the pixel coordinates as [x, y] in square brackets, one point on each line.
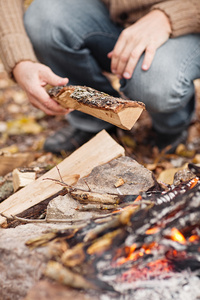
[117, 111]
[21, 179]
[99, 150]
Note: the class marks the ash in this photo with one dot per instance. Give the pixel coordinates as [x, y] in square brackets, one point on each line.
[178, 286]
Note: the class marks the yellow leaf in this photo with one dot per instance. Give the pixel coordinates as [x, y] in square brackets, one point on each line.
[167, 176]
[181, 150]
[23, 126]
[11, 149]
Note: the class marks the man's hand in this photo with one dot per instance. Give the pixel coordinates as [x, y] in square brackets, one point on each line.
[146, 35]
[32, 77]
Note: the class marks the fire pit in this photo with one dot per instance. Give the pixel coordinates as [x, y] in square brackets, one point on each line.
[153, 239]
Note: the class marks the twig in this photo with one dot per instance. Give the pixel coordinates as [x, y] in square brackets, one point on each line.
[46, 220]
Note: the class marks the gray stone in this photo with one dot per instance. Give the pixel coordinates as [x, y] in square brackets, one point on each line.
[20, 267]
[65, 207]
[103, 178]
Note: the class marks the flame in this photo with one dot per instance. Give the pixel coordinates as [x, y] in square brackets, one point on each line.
[177, 236]
[131, 255]
[152, 230]
[128, 206]
[193, 182]
[138, 198]
[193, 238]
[134, 255]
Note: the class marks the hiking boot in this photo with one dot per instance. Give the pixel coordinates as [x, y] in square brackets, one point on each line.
[67, 139]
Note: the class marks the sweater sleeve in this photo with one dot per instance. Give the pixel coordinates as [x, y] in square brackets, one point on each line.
[15, 45]
[184, 15]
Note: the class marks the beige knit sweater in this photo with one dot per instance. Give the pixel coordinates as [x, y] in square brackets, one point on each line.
[15, 45]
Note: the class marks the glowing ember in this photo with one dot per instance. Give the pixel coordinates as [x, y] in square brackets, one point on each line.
[152, 230]
[151, 270]
[193, 238]
[177, 236]
[193, 182]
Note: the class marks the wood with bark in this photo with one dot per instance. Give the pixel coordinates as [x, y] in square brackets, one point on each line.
[99, 150]
[117, 111]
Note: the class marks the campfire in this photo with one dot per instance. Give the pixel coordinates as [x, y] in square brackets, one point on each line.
[155, 234]
[123, 232]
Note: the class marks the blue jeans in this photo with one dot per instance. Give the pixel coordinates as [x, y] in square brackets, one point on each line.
[73, 39]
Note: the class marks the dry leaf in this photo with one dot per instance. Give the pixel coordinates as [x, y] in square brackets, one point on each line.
[24, 125]
[181, 150]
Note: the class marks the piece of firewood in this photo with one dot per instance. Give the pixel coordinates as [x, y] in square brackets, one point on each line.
[117, 111]
[99, 150]
[8, 161]
[21, 179]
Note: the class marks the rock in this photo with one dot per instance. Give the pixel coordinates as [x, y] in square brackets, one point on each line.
[120, 176]
[65, 207]
[45, 290]
[20, 267]
[103, 178]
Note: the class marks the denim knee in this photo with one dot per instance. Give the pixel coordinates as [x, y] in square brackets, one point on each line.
[168, 85]
[160, 89]
[66, 22]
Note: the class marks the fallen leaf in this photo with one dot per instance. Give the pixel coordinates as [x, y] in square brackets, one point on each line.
[23, 125]
[181, 150]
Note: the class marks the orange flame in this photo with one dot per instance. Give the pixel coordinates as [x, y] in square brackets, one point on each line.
[152, 230]
[133, 255]
[128, 206]
[193, 238]
[193, 182]
[177, 236]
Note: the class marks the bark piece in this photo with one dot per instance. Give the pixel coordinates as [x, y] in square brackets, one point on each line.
[99, 150]
[6, 189]
[117, 111]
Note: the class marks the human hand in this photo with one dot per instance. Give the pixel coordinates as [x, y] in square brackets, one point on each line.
[33, 77]
[146, 35]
